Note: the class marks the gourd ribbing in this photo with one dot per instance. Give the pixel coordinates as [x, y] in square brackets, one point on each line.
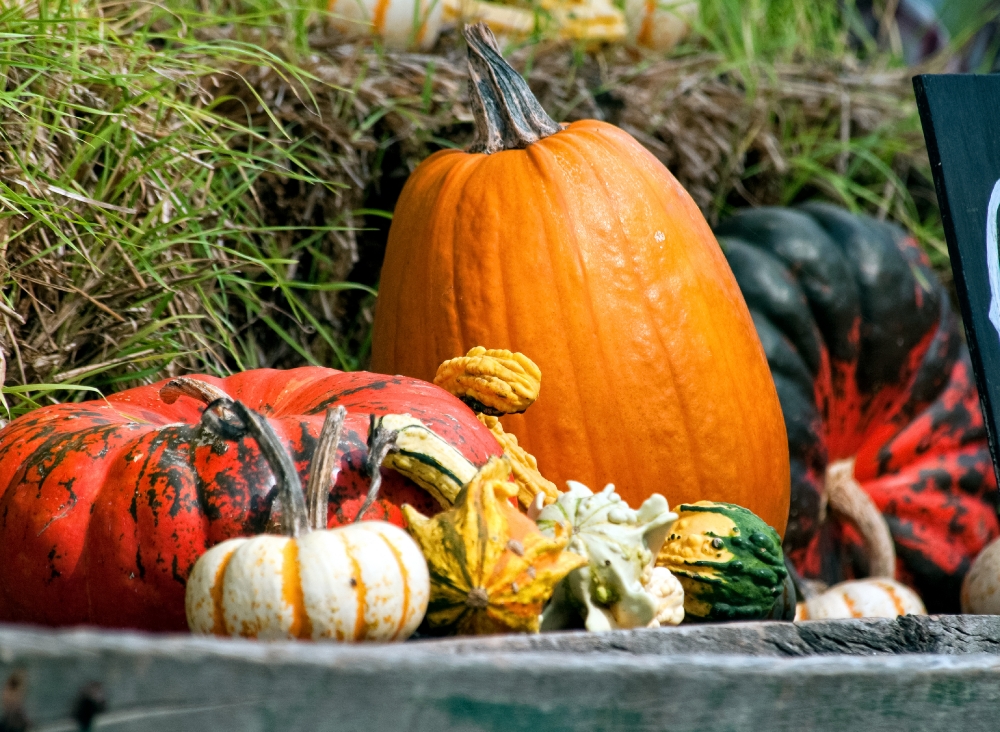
[508, 117]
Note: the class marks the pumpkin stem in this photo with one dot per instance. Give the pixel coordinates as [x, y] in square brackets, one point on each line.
[294, 517]
[203, 392]
[508, 117]
[381, 442]
[324, 467]
[848, 499]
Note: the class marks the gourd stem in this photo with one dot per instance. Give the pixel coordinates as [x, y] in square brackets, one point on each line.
[324, 465]
[508, 117]
[294, 517]
[849, 500]
[184, 386]
[381, 442]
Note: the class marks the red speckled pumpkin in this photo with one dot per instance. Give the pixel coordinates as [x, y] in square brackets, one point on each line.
[106, 505]
[868, 362]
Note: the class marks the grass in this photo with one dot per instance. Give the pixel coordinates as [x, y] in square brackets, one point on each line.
[131, 214]
[204, 185]
[879, 168]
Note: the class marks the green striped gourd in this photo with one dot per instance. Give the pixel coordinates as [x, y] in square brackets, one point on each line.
[728, 560]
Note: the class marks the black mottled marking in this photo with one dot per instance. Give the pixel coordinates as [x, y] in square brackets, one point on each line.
[53, 573]
[331, 400]
[176, 574]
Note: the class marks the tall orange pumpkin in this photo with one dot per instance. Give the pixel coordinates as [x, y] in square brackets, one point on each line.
[577, 247]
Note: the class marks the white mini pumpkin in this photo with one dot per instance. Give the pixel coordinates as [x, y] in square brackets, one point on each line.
[366, 581]
[592, 21]
[875, 597]
[401, 24]
[981, 586]
[659, 24]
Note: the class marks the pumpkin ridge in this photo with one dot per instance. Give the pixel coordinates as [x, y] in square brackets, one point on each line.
[609, 204]
[454, 185]
[666, 356]
[555, 184]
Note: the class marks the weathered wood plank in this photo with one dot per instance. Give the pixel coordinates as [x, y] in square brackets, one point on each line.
[157, 684]
[944, 634]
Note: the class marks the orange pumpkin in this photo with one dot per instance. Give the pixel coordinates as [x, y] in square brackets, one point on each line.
[577, 247]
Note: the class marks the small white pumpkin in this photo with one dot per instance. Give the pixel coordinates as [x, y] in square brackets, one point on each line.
[875, 597]
[596, 21]
[659, 24]
[981, 586]
[366, 581]
[401, 24]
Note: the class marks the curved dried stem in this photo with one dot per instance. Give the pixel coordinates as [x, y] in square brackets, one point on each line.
[324, 467]
[381, 442]
[849, 501]
[184, 386]
[508, 117]
[231, 420]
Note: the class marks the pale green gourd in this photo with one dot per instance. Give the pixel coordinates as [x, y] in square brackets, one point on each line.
[620, 545]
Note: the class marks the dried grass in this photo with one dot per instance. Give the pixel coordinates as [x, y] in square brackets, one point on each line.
[210, 224]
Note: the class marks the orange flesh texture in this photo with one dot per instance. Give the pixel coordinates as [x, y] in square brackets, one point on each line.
[584, 253]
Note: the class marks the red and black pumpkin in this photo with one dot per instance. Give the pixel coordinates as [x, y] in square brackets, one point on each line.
[869, 364]
[105, 505]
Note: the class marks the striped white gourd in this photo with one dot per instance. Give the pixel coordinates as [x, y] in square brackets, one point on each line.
[401, 24]
[366, 581]
[659, 24]
[875, 597]
[597, 21]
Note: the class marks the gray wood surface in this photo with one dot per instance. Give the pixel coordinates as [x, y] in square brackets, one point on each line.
[943, 634]
[911, 674]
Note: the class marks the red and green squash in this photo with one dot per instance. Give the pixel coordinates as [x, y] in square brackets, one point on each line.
[868, 361]
[106, 505]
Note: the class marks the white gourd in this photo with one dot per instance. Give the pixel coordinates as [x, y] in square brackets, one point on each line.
[981, 587]
[596, 21]
[659, 24]
[401, 24]
[363, 582]
[616, 588]
[875, 597]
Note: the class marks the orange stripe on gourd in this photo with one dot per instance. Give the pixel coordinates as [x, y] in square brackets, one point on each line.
[378, 15]
[292, 592]
[405, 615]
[645, 35]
